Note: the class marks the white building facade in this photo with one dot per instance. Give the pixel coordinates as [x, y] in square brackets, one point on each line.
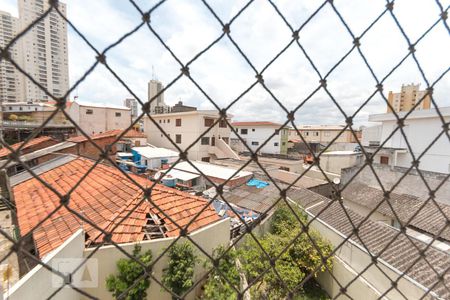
[11, 81]
[97, 118]
[44, 50]
[421, 128]
[256, 133]
[185, 127]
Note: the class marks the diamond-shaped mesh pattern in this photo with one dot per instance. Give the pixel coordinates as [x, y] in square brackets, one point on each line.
[358, 228]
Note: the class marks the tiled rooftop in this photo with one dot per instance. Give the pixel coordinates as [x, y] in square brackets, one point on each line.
[131, 133]
[32, 143]
[430, 219]
[104, 197]
[400, 253]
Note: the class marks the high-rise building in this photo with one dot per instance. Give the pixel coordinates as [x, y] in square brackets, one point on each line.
[133, 105]
[44, 50]
[157, 106]
[11, 81]
[407, 98]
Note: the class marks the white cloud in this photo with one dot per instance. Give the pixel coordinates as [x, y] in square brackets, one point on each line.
[187, 27]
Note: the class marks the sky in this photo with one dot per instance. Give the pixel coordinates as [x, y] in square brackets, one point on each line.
[188, 27]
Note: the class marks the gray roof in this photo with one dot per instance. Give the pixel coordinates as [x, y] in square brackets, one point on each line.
[400, 253]
[429, 219]
[252, 198]
[42, 168]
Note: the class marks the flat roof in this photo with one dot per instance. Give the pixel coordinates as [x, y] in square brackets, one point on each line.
[417, 114]
[101, 105]
[257, 123]
[178, 175]
[211, 112]
[211, 170]
[319, 127]
[150, 152]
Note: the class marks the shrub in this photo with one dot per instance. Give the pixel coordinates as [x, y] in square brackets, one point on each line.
[128, 272]
[216, 287]
[178, 276]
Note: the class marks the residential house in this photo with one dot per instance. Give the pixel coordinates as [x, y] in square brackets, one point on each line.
[106, 198]
[97, 117]
[421, 128]
[184, 128]
[154, 158]
[201, 176]
[255, 135]
[321, 135]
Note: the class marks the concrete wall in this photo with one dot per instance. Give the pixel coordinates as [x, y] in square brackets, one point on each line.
[102, 119]
[192, 126]
[39, 282]
[411, 184]
[371, 135]
[208, 238]
[333, 163]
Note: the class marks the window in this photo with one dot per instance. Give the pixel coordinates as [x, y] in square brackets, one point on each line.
[253, 129]
[160, 121]
[205, 140]
[168, 120]
[316, 133]
[275, 144]
[222, 124]
[178, 122]
[89, 111]
[255, 143]
[283, 143]
[326, 133]
[209, 122]
[277, 131]
[384, 160]
[205, 159]
[306, 133]
[10, 108]
[244, 131]
[178, 138]
[118, 114]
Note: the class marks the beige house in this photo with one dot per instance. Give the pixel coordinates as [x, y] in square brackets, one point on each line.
[321, 134]
[184, 128]
[97, 117]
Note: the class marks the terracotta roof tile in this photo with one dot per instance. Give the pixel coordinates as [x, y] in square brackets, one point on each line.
[95, 200]
[33, 142]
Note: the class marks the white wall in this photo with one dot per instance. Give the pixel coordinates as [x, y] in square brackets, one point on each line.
[102, 119]
[192, 126]
[371, 134]
[421, 128]
[155, 163]
[39, 284]
[259, 134]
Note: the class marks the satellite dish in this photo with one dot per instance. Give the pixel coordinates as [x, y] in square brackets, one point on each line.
[336, 181]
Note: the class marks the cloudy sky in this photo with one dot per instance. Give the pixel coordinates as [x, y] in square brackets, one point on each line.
[187, 27]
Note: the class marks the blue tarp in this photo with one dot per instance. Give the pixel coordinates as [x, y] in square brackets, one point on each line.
[259, 184]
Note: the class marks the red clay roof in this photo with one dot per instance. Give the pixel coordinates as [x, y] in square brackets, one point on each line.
[132, 133]
[262, 123]
[33, 142]
[105, 197]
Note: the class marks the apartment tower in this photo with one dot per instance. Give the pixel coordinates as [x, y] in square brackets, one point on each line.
[157, 106]
[407, 98]
[44, 47]
[11, 82]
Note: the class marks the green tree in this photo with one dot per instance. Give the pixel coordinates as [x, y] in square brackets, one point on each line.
[299, 260]
[178, 276]
[216, 287]
[128, 272]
